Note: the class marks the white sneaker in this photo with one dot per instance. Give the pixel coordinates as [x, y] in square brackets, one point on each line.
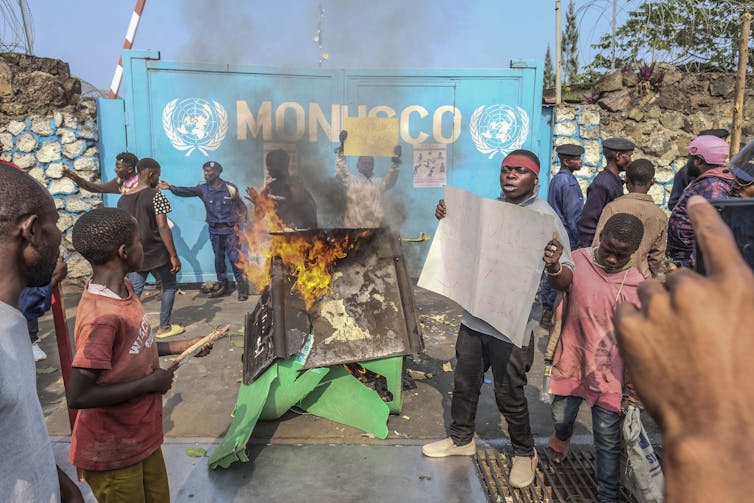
[523, 471]
[38, 353]
[446, 447]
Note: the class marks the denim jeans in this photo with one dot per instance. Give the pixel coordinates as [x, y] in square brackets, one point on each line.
[475, 353]
[169, 288]
[222, 245]
[607, 440]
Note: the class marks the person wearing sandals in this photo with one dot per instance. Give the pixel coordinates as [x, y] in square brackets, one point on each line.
[586, 364]
[150, 208]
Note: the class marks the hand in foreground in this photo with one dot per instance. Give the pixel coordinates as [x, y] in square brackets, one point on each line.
[163, 185]
[441, 210]
[162, 380]
[688, 349]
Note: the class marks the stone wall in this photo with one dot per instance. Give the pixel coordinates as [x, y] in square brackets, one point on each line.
[661, 118]
[46, 126]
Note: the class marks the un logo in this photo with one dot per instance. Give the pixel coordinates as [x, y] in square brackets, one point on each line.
[499, 129]
[193, 124]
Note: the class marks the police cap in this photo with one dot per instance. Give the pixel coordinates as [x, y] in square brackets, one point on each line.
[214, 165]
[570, 149]
[618, 144]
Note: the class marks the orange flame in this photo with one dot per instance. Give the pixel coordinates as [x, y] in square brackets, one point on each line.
[310, 257]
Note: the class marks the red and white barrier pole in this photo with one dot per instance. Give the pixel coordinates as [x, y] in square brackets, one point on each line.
[130, 35]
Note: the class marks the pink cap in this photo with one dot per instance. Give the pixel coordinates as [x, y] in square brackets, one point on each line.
[712, 149]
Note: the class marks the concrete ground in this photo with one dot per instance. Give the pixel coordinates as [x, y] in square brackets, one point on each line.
[197, 410]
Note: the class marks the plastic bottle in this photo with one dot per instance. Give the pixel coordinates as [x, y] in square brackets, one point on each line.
[544, 392]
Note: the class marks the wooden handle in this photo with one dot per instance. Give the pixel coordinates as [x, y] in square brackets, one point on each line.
[211, 337]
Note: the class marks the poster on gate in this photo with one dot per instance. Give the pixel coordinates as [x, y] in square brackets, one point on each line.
[430, 165]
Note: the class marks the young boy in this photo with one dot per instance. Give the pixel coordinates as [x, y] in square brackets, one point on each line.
[116, 380]
[587, 365]
[226, 217]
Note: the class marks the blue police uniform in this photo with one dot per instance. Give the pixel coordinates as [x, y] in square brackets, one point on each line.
[567, 200]
[224, 206]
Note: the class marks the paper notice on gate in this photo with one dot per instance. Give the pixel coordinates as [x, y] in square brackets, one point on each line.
[487, 256]
[375, 136]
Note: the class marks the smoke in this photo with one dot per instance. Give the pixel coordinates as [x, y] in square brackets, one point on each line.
[227, 33]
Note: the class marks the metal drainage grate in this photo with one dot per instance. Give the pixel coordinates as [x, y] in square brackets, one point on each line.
[572, 481]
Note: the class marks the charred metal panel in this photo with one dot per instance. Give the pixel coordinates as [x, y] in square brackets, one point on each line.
[277, 327]
[367, 314]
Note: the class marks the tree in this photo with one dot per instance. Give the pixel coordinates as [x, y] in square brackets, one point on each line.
[571, 46]
[549, 72]
[697, 34]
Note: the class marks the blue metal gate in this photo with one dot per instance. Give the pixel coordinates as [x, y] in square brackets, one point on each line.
[454, 126]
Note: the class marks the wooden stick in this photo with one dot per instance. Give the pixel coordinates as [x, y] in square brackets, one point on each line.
[63, 338]
[738, 106]
[197, 346]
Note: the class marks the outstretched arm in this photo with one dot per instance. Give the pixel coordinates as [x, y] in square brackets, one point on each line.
[180, 191]
[110, 187]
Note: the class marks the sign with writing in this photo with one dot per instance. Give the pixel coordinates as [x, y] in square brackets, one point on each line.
[375, 136]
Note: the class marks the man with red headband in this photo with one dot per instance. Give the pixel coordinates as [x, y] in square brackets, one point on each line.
[480, 346]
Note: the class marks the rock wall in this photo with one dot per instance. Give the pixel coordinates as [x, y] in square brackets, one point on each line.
[46, 126]
[661, 117]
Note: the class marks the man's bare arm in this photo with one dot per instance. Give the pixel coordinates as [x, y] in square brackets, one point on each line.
[110, 187]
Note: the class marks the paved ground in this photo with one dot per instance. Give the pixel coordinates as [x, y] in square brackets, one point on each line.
[202, 398]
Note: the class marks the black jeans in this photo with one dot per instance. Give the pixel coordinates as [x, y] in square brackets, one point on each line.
[475, 353]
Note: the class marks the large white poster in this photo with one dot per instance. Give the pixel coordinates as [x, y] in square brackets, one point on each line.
[487, 256]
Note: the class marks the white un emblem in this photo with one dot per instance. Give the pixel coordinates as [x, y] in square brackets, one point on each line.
[499, 129]
[194, 124]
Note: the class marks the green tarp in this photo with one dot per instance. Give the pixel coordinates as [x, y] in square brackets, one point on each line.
[329, 392]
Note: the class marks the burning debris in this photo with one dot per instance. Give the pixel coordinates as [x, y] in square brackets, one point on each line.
[355, 299]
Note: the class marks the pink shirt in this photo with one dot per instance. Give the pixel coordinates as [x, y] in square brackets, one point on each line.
[586, 362]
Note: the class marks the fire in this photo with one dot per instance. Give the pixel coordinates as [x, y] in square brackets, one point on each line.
[310, 256]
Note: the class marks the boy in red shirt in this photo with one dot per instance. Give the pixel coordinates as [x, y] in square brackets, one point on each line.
[116, 378]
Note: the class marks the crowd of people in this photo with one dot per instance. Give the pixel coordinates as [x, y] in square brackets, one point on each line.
[624, 336]
[606, 247]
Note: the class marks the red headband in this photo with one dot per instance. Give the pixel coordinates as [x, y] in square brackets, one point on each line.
[517, 160]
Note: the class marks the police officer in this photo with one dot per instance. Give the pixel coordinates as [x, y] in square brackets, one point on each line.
[226, 216]
[564, 193]
[605, 187]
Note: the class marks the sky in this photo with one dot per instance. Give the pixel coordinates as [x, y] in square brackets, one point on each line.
[445, 34]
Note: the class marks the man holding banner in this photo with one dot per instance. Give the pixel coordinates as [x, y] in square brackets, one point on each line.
[364, 191]
[505, 270]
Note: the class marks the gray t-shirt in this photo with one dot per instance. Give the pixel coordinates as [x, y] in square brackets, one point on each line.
[27, 465]
[535, 315]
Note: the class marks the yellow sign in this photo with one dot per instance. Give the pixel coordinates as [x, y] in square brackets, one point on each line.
[376, 136]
